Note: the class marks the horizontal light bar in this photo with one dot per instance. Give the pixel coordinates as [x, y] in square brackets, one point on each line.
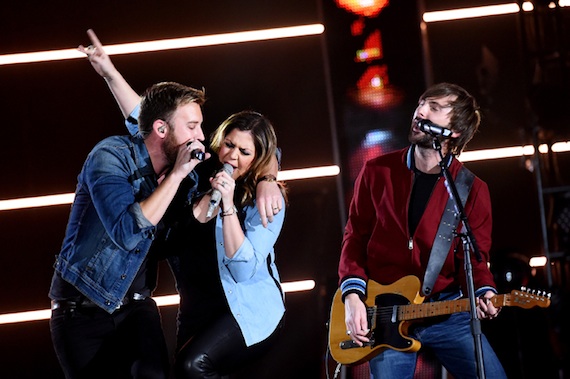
[457, 14]
[515, 151]
[39, 201]
[560, 147]
[490, 10]
[537, 261]
[67, 198]
[161, 301]
[503, 152]
[166, 300]
[11, 318]
[307, 173]
[298, 286]
[169, 44]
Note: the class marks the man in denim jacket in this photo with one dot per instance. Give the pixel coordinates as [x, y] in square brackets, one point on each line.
[104, 322]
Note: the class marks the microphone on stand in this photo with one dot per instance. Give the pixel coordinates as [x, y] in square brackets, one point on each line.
[217, 195]
[429, 127]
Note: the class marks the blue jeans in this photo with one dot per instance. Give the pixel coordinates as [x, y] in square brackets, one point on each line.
[451, 341]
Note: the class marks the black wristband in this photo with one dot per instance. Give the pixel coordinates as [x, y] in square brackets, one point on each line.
[267, 178]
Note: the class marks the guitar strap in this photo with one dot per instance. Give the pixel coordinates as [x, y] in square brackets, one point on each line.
[447, 227]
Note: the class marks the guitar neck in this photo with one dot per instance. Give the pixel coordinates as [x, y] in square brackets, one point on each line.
[440, 308]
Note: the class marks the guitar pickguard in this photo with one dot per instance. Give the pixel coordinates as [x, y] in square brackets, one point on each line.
[386, 328]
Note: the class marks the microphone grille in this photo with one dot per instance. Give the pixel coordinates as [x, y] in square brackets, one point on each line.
[228, 168]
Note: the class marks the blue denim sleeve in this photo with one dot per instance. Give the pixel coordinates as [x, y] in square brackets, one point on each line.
[116, 196]
[132, 122]
[141, 221]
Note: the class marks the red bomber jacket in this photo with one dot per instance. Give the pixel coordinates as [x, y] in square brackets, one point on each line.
[377, 244]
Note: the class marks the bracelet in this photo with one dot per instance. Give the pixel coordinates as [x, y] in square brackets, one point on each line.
[268, 178]
[232, 211]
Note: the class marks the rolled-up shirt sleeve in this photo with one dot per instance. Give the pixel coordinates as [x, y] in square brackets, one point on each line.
[113, 196]
[256, 247]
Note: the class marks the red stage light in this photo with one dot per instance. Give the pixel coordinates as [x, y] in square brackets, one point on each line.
[366, 8]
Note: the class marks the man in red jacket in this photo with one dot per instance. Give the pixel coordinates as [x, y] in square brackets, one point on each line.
[394, 221]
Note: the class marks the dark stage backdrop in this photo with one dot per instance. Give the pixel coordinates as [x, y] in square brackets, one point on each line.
[56, 111]
[330, 105]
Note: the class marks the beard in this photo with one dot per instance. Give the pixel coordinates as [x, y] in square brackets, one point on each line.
[170, 149]
[422, 139]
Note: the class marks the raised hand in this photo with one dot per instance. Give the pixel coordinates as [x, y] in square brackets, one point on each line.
[124, 94]
[97, 56]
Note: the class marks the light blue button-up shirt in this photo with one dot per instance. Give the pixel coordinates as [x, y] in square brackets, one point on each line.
[250, 279]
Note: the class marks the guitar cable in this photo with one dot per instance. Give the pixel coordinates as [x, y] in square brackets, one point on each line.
[327, 356]
[336, 370]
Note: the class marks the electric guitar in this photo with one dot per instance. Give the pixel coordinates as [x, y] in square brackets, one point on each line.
[393, 308]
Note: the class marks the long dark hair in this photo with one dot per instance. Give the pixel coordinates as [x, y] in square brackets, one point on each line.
[265, 142]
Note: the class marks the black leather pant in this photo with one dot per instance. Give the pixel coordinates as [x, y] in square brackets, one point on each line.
[219, 350]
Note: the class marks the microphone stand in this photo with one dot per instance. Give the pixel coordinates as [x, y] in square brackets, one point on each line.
[468, 240]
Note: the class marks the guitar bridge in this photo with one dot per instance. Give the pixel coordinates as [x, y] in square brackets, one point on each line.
[350, 344]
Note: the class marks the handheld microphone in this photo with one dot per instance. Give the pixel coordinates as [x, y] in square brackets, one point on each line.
[217, 195]
[429, 127]
[197, 154]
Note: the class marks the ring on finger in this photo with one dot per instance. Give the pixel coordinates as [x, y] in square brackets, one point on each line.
[224, 184]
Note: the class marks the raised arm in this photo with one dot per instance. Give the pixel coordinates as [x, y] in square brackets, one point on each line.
[126, 97]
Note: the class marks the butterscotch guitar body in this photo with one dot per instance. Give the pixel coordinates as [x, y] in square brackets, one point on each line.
[386, 330]
[392, 309]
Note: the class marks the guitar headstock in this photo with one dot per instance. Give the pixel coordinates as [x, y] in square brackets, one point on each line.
[527, 298]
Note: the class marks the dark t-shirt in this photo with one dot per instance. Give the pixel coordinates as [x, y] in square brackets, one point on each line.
[421, 192]
[191, 252]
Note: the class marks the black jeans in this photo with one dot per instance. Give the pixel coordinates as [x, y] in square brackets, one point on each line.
[219, 350]
[91, 343]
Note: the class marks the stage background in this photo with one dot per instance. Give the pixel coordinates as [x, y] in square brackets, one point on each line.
[316, 94]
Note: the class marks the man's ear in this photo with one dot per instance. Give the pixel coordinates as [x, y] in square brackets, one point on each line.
[455, 134]
[160, 128]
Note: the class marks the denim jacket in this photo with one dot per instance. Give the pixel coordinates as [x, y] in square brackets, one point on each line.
[107, 236]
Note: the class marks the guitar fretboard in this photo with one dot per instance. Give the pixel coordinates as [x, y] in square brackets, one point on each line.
[440, 308]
